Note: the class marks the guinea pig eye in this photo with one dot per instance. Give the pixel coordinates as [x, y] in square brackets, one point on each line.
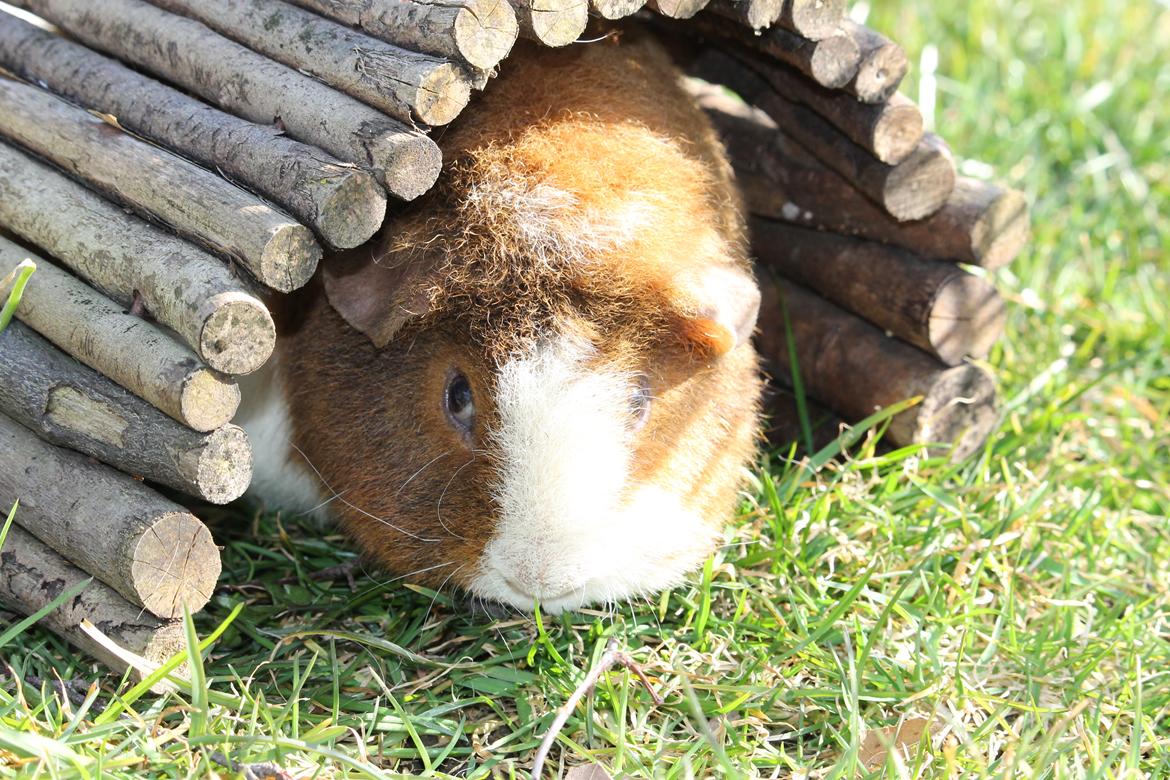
[458, 402]
[640, 401]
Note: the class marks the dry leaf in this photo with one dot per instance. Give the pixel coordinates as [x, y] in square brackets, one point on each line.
[904, 738]
[587, 772]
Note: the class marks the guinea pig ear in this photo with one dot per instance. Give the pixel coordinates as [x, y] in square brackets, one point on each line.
[718, 308]
[375, 295]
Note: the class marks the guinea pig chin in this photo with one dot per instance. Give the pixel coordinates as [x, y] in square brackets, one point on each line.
[572, 529]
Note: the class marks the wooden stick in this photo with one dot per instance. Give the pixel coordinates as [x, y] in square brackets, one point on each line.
[677, 9]
[552, 22]
[343, 204]
[478, 32]
[278, 251]
[756, 14]
[831, 61]
[882, 66]
[813, 19]
[124, 347]
[937, 307]
[149, 549]
[980, 224]
[915, 188]
[890, 131]
[32, 574]
[252, 86]
[406, 85]
[615, 9]
[73, 406]
[180, 285]
[855, 369]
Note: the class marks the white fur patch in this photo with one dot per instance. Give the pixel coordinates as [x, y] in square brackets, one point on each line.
[571, 530]
[280, 476]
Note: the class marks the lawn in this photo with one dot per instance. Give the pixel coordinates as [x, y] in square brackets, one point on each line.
[1012, 613]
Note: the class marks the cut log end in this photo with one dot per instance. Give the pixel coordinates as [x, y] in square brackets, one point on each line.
[814, 19]
[554, 22]
[222, 467]
[442, 94]
[238, 334]
[485, 32]
[175, 565]
[352, 211]
[834, 61]
[880, 73]
[289, 258]
[408, 164]
[678, 9]
[1002, 231]
[207, 401]
[958, 409]
[966, 318]
[920, 185]
[898, 131]
[615, 9]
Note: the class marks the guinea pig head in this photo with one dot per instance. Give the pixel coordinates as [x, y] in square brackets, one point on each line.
[541, 385]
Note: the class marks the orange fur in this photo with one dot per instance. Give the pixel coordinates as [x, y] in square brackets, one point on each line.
[582, 191]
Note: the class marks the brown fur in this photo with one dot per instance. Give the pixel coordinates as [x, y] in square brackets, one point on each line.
[520, 235]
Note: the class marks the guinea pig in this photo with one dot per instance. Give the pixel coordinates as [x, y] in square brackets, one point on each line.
[538, 383]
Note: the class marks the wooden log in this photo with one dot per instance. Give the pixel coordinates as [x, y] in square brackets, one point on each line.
[615, 9]
[937, 307]
[782, 422]
[342, 203]
[882, 66]
[32, 574]
[149, 549]
[126, 348]
[406, 85]
[178, 284]
[831, 61]
[551, 22]
[252, 86]
[677, 9]
[72, 406]
[813, 19]
[853, 368]
[913, 189]
[478, 32]
[279, 251]
[757, 14]
[980, 224]
[890, 131]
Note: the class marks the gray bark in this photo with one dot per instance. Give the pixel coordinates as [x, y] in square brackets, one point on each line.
[149, 549]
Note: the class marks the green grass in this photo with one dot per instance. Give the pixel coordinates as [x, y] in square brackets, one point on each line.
[1017, 603]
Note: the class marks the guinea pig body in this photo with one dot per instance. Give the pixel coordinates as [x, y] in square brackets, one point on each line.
[539, 385]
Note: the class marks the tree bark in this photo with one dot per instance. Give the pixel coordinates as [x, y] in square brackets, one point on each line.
[551, 22]
[757, 14]
[678, 9]
[343, 204]
[252, 86]
[33, 574]
[180, 285]
[615, 9]
[72, 406]
[980, 224]
[278, 251]
[152, 551]
[404, 84]
[126, 348]
[831, 61]
[813, 19]
[882, 66]
[478, 32]
[913, 189]
[853, 368]
[937, 307]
